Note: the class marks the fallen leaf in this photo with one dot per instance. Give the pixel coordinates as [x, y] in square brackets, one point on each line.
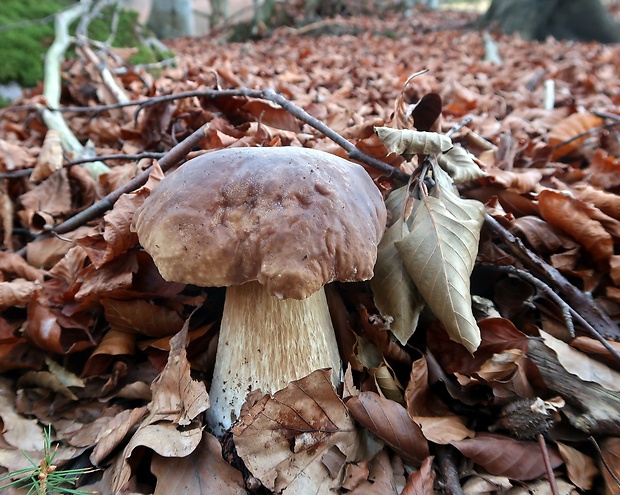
[579, 364]
[390, 422]
[505, 456]
[581, 468]
[283, 438]
[203, 472]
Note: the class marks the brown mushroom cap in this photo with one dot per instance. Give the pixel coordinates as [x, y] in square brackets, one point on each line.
[293, 219]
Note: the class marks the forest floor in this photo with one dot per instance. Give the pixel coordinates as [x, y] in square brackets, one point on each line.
[96, 344]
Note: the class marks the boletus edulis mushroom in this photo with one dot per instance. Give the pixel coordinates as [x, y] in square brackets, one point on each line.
[273, 225]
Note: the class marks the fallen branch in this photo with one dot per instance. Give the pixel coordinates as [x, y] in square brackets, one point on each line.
[54, 120]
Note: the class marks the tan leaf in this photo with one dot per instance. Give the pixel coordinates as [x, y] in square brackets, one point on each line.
[50, 157]
[579, 364]
[408, 142]
[505, 456]
[568, 129]
[519, 181]
[568, 215]
[18, 431]
[581, 468]
[459, 165]
[395, 294]
[486, 484]
[16, 293]
[114, 433]
[14, 157]
[389, 421]
[283, 438]
[542, 487]
[176, 396]
[203, 472]
[439, 253]
[164, 439]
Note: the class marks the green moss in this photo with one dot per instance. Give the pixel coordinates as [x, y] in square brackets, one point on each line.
[23, 47]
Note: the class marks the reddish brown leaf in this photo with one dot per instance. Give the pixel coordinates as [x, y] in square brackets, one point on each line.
[569, 129]
[389, 421]
[140, 316]
[422, 481]
[610, 465]
[505, 456]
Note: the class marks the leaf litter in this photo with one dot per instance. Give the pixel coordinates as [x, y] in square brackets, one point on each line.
[96, 343]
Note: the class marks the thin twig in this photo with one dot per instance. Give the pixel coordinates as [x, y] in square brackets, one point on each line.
[25, 172]
[174, 156]
[597, 322]
[547, 462]
[565, 308]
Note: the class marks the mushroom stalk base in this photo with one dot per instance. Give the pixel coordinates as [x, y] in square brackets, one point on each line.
[265, 343]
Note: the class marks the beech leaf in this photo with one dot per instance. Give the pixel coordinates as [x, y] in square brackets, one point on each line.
[505, 456]
[439, 253]
[408, 142]
[395, 294]
[283, 438]
[458, 163]
[579, 364]
[389, 421]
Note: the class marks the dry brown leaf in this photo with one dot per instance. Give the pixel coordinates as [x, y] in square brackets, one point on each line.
[14, 157]
[610, 465]
[505, 456]
[142, 317]
[381, 477]
[390, 422]
[16, 293]
[50, 157]
[542, 487]
[486, 484]
[607, 202]
[568, 129]
[283, 438]
[568, 215]
[18, 431]
[203, 472]
[543, 238]
[579, 364]
[438, 423]
[164, 439]
[498, 335]
[115, 431]
[581, 468]
[422, 481]
[176, 396]
[46, 202]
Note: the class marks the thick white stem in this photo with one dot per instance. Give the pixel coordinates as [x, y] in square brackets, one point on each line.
[265, 343]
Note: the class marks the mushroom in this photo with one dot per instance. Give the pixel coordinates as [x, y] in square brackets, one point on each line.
[273, 225]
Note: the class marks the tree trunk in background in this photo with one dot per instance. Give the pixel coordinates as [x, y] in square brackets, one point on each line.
[585, 20]
[171, 18]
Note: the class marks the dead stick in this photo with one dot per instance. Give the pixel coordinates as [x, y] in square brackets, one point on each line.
[174, 156]
[547, 462]
[447, 469]
[600, 323]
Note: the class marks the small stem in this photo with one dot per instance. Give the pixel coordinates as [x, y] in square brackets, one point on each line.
[548, 468]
